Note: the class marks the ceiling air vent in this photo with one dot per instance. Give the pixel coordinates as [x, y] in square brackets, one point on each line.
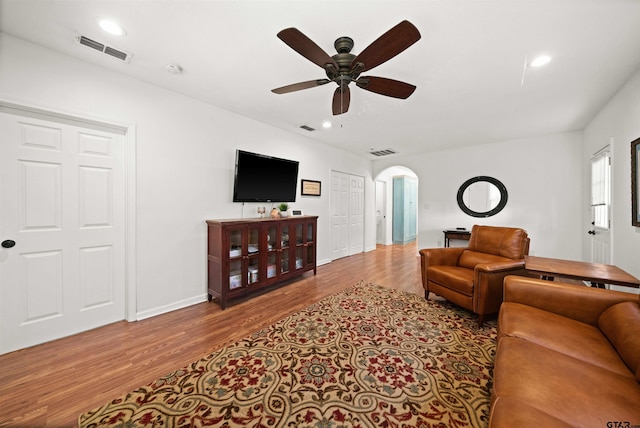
[385, 152]
[307, 128]
[104, 48]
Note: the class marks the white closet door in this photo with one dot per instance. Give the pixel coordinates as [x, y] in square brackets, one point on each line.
[339, 215]
[356, 214]
[62, 201]
[347, 214]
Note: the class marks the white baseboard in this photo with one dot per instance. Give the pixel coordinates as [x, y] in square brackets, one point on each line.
[171, 307]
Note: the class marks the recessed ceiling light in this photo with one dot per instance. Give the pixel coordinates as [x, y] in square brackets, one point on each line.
[111, 27]
[326, 124]
[539, 61]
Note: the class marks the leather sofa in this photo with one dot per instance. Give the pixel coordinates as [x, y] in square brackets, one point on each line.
[567, 356]
[472, 277]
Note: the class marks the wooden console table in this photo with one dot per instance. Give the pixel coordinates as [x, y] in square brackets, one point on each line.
[596, 273]
[245, 255]
[462, 235]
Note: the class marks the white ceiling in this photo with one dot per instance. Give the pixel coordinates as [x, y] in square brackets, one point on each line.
[468, 66]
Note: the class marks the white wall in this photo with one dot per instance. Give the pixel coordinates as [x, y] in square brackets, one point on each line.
[185, 161]
[543, 177]
[617, 123]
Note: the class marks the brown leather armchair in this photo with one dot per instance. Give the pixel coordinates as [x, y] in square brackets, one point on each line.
[472, 277]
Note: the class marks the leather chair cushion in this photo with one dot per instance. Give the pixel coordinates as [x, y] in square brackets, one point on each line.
[621, 324]
[469, 259]
[508, 412]
[574, 391]
[570, 337]
[453, 277]
[506, 242]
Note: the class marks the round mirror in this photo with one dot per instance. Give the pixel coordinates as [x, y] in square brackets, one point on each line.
[482, 196]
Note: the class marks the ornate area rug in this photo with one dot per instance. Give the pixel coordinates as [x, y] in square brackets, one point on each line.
[366, 357]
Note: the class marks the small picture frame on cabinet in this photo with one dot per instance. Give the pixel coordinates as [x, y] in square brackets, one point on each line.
[310, 187]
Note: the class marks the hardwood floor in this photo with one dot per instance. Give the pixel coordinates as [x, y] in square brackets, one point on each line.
[51, 384]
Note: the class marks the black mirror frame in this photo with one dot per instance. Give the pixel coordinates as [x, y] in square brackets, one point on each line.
[503, 196]
[635, 189]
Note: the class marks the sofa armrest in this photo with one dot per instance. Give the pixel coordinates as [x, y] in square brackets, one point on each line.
[577, 302]
[489, 280]
[438, 257]
[441, 256]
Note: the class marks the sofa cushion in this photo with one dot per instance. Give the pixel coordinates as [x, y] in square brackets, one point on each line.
[469, 259]
[507, 412]
[621, 324]
[568, 389]
[573, 338]
[458, 278]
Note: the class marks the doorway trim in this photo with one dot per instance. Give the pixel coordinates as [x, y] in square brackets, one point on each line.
[129, 132]
[385, 175]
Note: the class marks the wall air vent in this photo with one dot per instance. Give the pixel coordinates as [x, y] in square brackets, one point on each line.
[385, 152]
[307, 128]
[116, 53]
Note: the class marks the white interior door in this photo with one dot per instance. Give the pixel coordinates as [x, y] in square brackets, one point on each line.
[601, 207]
[62, 201]
[339, 215]
[356, 214]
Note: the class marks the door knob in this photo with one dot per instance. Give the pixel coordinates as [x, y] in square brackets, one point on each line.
[591, 232]
[8, 243]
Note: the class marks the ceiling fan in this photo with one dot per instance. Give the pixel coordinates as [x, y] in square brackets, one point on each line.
[345, 67]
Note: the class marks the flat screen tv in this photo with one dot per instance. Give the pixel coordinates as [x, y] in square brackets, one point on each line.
[261, 178]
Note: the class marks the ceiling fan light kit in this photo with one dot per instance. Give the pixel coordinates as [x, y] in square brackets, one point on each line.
[345, 67]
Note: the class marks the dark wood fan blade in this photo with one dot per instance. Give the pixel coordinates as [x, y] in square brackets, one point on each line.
[341, 100]
[300, 86]
[387, 46]
[306, 47]
[384, 86]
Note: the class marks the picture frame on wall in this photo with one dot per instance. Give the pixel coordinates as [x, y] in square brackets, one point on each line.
[310, 187]
[635, 182]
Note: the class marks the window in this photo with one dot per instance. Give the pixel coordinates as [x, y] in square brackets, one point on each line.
[600, 188]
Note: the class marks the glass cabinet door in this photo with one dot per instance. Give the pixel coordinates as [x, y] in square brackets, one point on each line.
[273, 248]
[278, 250]
[300, 245]
[235, 258]
[310, 244]
[286, 249]
[252, 272]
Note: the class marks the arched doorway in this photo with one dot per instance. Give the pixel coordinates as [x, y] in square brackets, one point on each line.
[388, 212]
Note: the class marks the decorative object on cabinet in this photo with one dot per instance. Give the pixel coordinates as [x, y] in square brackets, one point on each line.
[635, 182]
[245, 255]
[482, 196]
[274, 213]
[310, 187]
[283, 210]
